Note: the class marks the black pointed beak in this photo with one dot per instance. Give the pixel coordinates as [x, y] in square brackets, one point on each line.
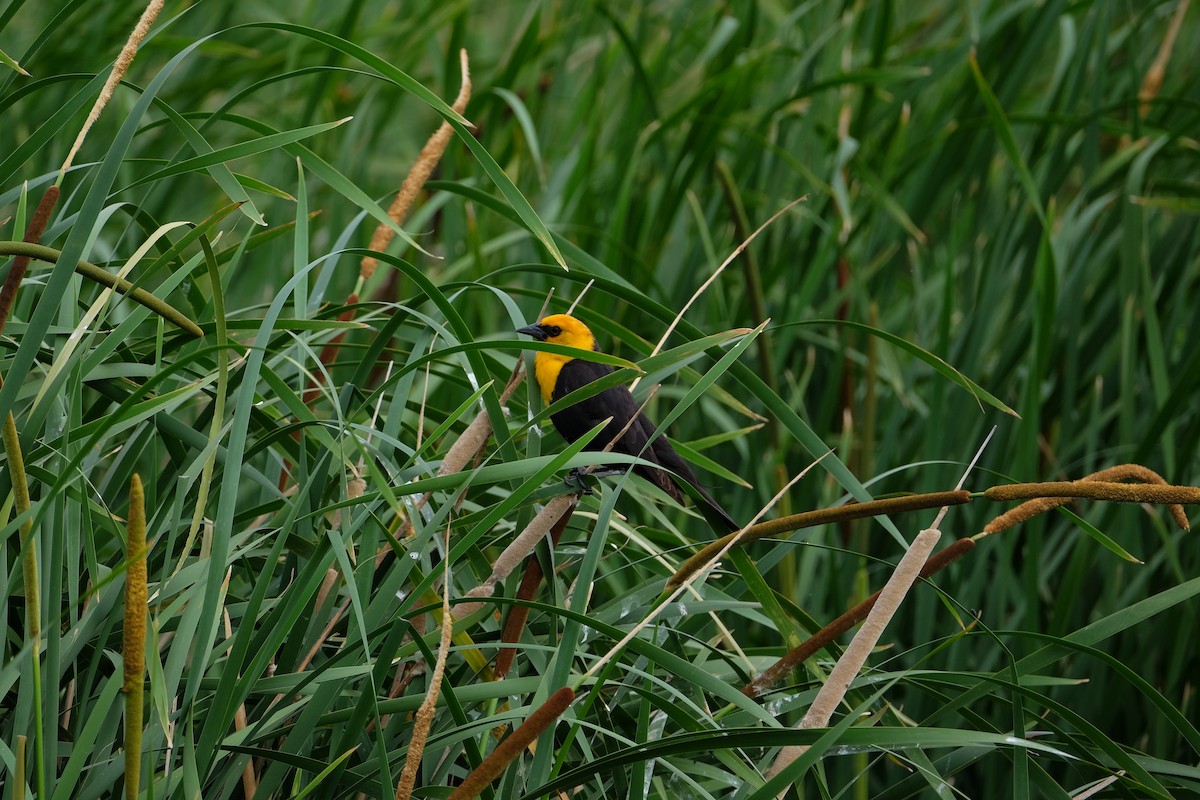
[536, 331]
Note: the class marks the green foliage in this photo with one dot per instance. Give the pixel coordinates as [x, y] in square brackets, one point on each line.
[987, 209]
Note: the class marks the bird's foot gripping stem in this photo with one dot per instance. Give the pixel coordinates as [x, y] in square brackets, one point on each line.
[577, 478]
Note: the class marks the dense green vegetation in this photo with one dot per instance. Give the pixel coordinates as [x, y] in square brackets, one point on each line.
[990, 184]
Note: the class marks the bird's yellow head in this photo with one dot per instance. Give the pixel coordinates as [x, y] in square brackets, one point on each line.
[557, 329]
[562, 329]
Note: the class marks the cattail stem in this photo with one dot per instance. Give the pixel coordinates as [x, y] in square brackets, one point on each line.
[20, 265]
[507, 751]
[808, 519]
[856, 654]
[20, 482]
[1046, 496]
[29, 578]
[425, 714]
[19, 772]
[822, 638]
[120, 67]
[249, 779]
[754, 287]
[519, 613]
[1097, 490]
[1120, 473]
[428, 159]
[133, 650]
[1152, 82]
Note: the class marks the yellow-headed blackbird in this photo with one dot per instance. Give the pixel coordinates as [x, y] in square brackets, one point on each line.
[558, 375]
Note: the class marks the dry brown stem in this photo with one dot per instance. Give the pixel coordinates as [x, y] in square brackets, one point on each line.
[429, 157]
[851, 617]
[809, 519]
[1097, 490]
[508, 750]
[1100, 485]
[124, 59]
[33, 235]
[518, 614]
[133, 646]
[472, 442]
[1152, 82]
[425, 714]
[1122, 472]
[249, 778]
[854, 658]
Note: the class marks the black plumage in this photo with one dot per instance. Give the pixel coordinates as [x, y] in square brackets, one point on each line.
[639, 438]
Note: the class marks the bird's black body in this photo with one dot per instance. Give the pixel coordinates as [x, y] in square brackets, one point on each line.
[639, 438]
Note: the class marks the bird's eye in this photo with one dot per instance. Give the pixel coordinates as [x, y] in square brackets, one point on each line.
[555, 331]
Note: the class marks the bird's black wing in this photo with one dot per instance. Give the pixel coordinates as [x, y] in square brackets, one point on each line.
[619, 404]
[660, 451]
[580, 418]
[667, 456]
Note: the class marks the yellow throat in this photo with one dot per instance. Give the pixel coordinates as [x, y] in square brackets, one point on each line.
[570, 332]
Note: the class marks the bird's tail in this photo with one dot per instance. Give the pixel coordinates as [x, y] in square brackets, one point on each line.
[712, 511]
